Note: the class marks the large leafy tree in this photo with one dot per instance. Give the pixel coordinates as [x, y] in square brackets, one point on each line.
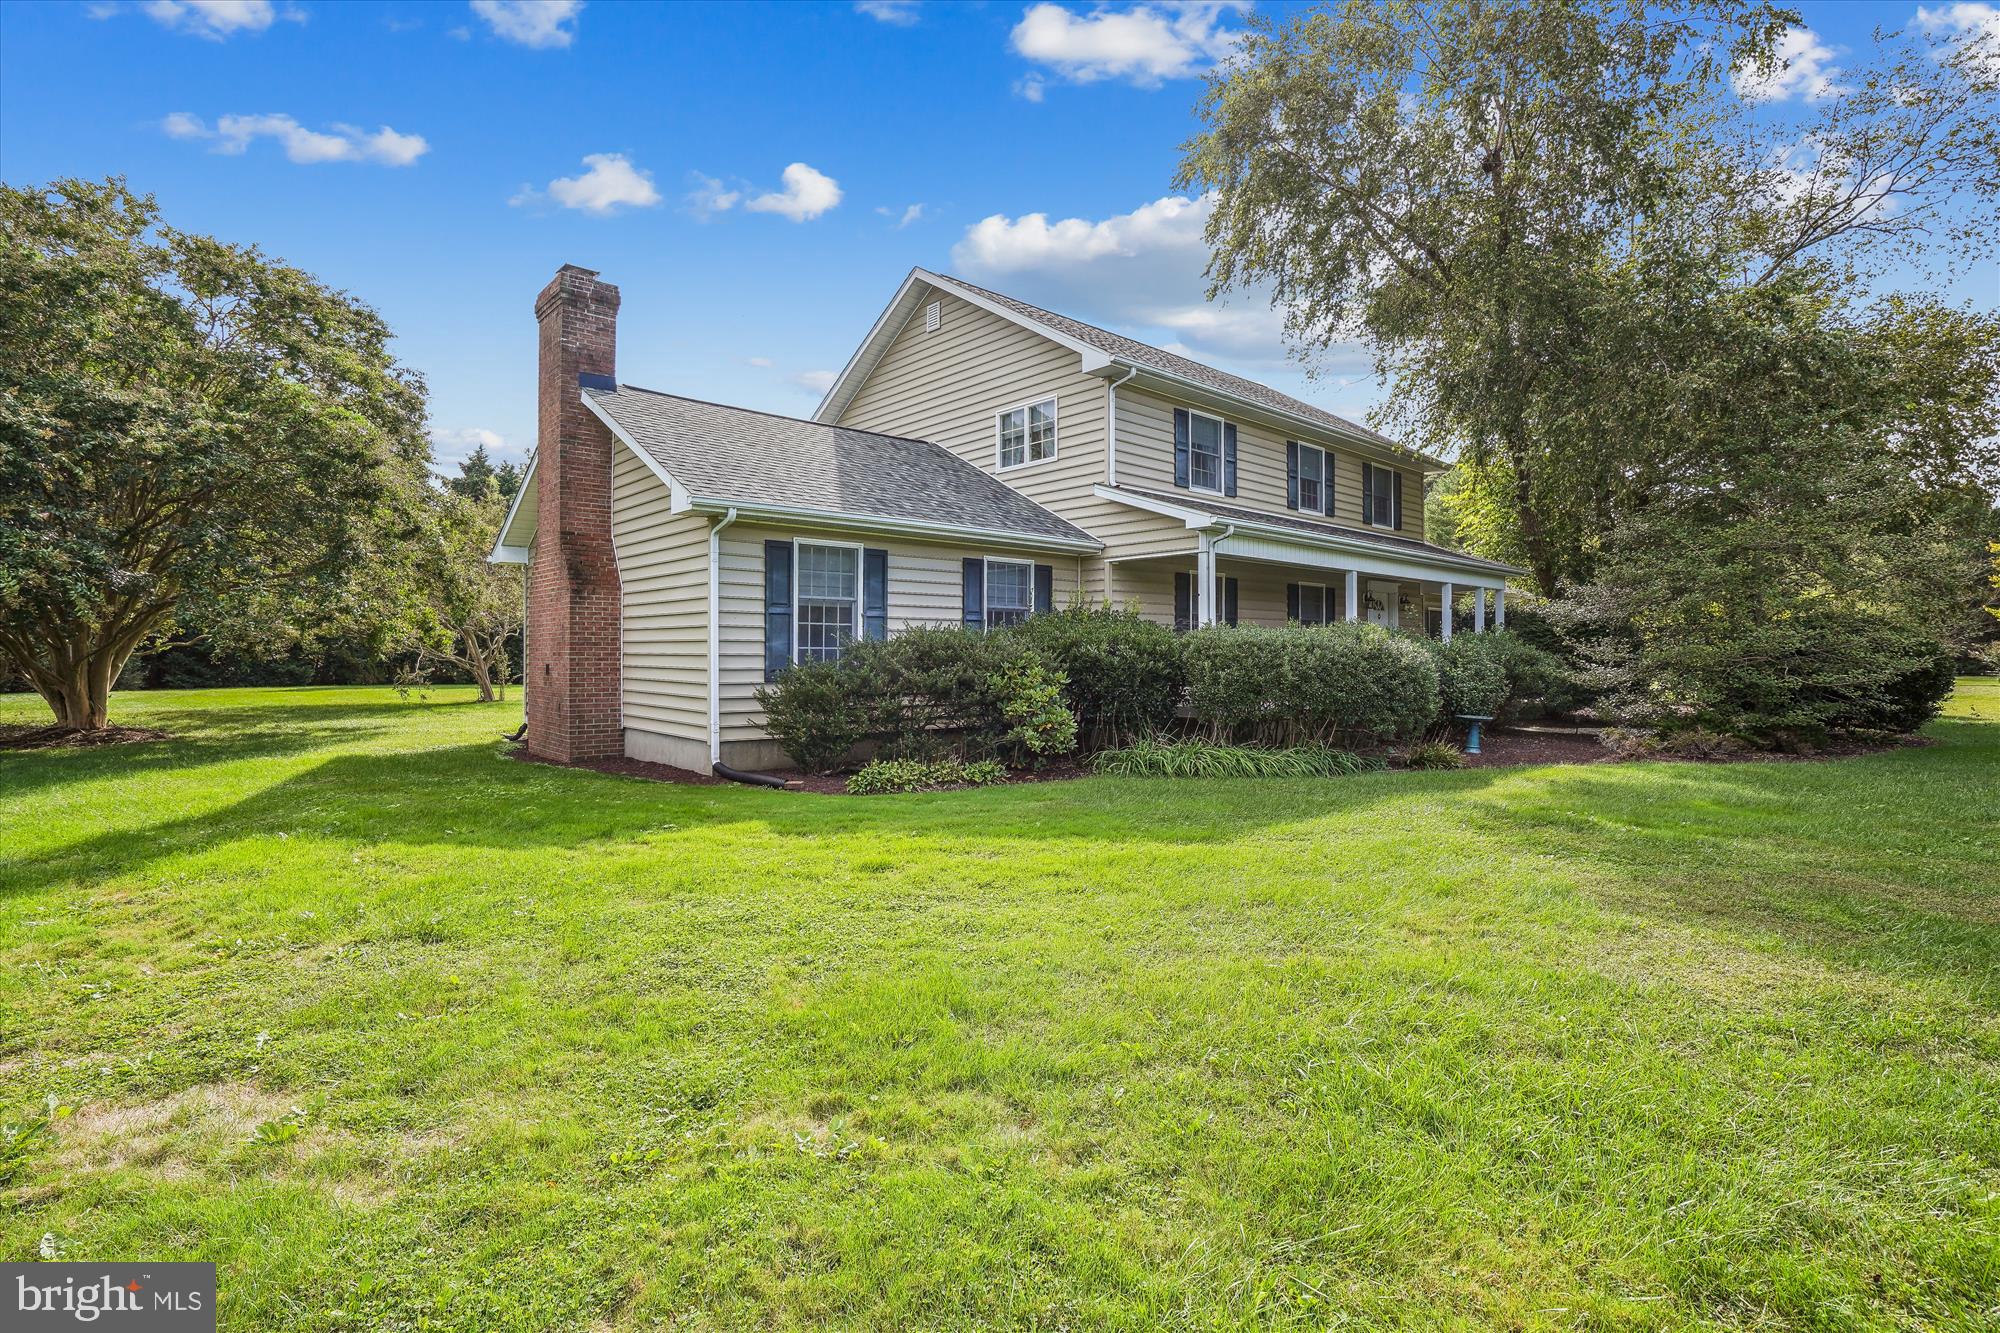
[456, 608]
[191, 433]
[1524, 207]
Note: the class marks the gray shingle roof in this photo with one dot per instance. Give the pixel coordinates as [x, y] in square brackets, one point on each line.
[733, 454]
[1414, 545]
[1171, 363]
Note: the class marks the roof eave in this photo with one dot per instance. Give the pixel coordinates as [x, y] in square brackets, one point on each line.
[1193, 516]
[799, 515]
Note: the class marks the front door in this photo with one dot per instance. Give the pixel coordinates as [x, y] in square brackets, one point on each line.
[1380, 604]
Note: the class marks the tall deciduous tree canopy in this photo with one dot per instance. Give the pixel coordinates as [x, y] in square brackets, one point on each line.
[1554, 220]
[190, 432]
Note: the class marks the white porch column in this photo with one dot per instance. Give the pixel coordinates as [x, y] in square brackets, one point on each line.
[1351, 609]
[1499, 608]
[1445, 620]
[1204, 582]
[1479, 610]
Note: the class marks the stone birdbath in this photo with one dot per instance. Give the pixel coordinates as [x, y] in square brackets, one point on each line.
[1472, 733]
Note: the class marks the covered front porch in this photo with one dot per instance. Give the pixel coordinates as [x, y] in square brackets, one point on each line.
[1227, 574]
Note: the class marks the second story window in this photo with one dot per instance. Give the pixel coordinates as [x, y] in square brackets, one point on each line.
[1312, 480]
[1028, 434]
[1204, 452]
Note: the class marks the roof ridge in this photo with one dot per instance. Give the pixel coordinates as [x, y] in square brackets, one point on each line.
[780, 416]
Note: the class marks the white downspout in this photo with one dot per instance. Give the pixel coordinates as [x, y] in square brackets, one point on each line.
[715, 636]
[1111, 426]
[1215, 571]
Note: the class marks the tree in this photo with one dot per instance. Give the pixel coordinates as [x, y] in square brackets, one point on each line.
[458, 608]
[1517, 202]
[190, 432]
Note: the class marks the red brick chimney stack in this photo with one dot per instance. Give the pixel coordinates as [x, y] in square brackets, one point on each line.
[573, 646]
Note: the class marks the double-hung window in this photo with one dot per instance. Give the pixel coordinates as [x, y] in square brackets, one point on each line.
[1204, 453]
[1316, 604]
[1010, 592]
[1028, 434]
[829, 600]
[1312, 479]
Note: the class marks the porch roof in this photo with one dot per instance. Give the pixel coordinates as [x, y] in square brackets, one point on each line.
[1312, 533]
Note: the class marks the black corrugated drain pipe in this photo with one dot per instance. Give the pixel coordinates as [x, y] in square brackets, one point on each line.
[723, 770]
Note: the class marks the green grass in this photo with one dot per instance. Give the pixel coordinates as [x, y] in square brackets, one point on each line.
[1622, 1047]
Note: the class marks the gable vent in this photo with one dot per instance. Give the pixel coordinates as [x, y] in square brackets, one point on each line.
[933, 316]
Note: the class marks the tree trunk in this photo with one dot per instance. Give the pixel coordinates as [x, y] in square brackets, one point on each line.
[73, 666]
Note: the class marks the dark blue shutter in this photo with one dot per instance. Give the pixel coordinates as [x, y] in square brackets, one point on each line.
[1291, 601]
[1326, 482]
[1045, 588]
[1228, 459]
[974, 605]
[777, 608]
[1181, 447]
[1183, 600]
[1367, 494]
[1396, 504]
[874, 594]
[1291, 474]
[1229, 601]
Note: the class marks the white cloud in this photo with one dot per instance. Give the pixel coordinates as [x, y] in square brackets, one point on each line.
[1802, 66]
[1963, 19]
[451, 447]
[914, 213]
[710, 197]
[902, 13]
[760, 362]
[1142, 273]
[1144, 44]
[233, 135]
[1030, 87]
[610, 183]
[543, 24]
[816, 381]
[214, 20]
[807, 194]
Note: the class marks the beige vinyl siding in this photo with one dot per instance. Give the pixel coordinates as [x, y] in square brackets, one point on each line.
[663, 586]
[1146, 458]
[926, 586]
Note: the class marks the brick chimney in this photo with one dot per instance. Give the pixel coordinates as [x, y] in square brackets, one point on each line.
[573, 646]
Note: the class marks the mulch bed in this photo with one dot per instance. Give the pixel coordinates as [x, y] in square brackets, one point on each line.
[1502, 747]
[67, 738]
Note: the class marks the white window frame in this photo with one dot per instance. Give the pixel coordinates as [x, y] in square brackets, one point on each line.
[798, 583]
[1221, 454]
[1000, 463]
[986, 588]
[1326, 603]
[1324, 483]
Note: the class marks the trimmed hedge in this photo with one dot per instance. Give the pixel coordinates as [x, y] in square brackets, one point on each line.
[1343, 683]
[1124, 673]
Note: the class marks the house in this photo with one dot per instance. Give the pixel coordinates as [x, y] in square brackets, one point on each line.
[978, 460]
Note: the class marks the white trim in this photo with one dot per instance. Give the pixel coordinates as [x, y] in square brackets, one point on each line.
[951, 533]
[860, 591]
[1111, 426]
[515, 555]
[1350, 607]
[1324, 482]
[677, 493]
[1027, 434]
[715, 635]
[986, 587]
[1221, 454]
[1196, 519]
[826, 410]
[1447, 592]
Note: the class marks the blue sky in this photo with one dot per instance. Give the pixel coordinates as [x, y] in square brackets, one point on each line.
[756, 179]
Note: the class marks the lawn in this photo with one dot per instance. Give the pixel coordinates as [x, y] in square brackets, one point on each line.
[1625, 1046]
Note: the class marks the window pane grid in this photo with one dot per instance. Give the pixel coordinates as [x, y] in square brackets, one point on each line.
[1010, 593]
[1309, 478]
[1028, 434]
[1205, 453]
[829, 578]
[1013, 438]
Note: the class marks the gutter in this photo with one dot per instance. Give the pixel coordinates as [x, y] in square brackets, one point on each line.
[715, 637]
[951, 532]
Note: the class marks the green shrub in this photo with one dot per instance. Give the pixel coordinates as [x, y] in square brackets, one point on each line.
[813, 711]
[1124, 672]
[1153, 758]
[1500, 675]
[883, 776]
[922, 694]
[1435, 754]
[1472, 681]
[1334, 683]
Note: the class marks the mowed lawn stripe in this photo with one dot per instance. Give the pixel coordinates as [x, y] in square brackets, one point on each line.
[1632, 1046]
